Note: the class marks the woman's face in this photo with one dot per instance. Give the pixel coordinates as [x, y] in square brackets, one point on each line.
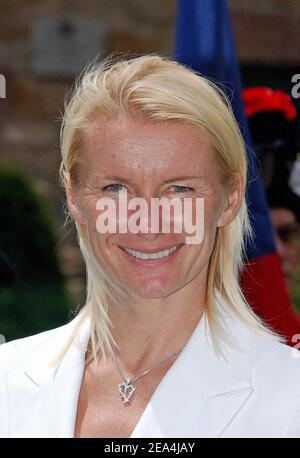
[151, 160]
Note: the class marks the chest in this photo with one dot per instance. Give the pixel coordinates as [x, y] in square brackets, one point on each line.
[100, 410]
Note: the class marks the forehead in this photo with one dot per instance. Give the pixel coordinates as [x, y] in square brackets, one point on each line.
[137, 144]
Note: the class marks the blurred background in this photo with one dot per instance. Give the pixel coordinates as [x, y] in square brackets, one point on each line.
[43, 46]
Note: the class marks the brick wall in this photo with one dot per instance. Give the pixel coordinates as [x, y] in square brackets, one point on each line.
[265, 31]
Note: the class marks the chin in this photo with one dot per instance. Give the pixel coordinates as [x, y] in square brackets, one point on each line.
[153, 288]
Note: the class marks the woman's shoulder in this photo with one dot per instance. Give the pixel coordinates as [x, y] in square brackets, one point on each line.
[275, 379]
[277, 360]
[267, 353]
[16, 353]
[270, 358]
[273, 366]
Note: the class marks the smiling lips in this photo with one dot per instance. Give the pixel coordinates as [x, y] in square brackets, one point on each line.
[156, 255]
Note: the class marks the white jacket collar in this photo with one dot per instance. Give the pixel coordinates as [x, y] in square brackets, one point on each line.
[201, 394]
[198, 397]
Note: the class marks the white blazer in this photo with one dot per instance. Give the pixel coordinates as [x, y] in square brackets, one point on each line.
[255, 394]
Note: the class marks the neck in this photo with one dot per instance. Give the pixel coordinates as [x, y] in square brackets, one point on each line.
[149, 330]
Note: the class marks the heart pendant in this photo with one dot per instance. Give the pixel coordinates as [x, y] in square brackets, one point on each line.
[126, 390]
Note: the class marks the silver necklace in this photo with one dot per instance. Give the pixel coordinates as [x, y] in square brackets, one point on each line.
[126, 389]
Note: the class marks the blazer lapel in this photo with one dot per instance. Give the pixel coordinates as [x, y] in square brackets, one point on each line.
[200, 395]
[42, 399]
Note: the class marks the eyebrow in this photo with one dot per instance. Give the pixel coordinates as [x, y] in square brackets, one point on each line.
[170, 180]
[184, 177]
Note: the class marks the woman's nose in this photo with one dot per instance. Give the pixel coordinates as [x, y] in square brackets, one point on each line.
[149, 225]
[148, 236]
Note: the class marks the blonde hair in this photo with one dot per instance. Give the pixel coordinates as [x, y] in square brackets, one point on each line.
[159, 89]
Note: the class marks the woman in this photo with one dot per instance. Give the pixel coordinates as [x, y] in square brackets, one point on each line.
[166, 345]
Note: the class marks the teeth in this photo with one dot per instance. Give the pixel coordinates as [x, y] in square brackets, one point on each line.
[159, 254]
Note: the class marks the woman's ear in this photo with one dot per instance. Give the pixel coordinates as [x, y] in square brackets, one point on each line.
[72, 200]
[233, 202]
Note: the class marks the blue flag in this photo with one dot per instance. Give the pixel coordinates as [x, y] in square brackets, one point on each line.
[204, 42]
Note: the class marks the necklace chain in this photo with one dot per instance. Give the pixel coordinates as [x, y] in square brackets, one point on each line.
[126, 389]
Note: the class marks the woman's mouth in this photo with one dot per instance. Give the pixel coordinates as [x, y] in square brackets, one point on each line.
[152, 256]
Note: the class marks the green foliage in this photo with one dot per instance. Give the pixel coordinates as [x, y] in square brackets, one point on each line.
[31, 307]
[37, 300]
[26, 231]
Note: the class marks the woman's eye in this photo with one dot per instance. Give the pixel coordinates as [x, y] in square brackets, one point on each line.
[179, 189]
[114, 187]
